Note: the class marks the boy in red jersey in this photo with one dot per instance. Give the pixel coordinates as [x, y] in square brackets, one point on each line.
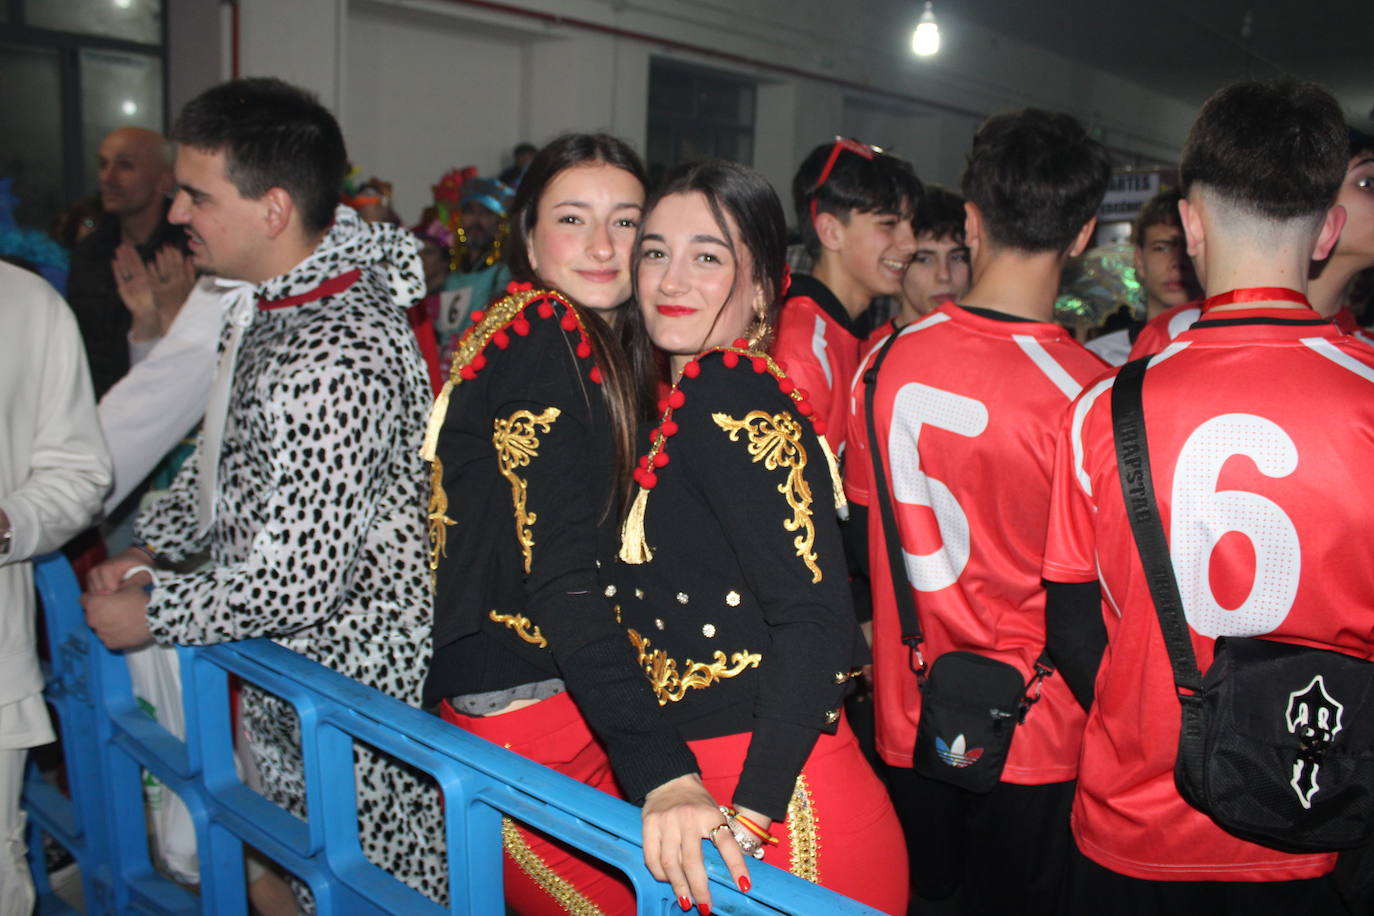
[1164, 271]
[967, 404]
[1331, 279]
[854, 206]
[939, 270]
[1258, 484]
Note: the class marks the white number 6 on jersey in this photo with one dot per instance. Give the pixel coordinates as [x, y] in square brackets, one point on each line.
[918, 405]
[1202, 515]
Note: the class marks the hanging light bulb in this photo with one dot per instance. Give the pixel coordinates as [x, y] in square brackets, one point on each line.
[925, 41]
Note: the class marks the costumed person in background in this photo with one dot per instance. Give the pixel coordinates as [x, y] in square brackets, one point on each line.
[732, 582]
[306, 478]
[473, 213]
[528, 439]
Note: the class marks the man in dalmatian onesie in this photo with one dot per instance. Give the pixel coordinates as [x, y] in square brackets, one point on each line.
[305, 488]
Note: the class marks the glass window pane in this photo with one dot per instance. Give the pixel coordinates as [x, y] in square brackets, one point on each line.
[117, 90]
[135, 20]
[31, 143]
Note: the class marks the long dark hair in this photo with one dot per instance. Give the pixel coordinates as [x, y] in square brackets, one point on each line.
[623, 381]
[752, 204]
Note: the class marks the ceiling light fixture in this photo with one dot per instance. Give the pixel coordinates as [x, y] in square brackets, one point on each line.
[925, 41]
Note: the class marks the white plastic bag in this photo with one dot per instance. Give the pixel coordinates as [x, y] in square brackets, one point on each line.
[156, 676]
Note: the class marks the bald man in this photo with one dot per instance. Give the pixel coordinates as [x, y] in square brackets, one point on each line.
[133, 247]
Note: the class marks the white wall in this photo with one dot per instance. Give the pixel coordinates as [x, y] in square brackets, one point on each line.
[424, 85]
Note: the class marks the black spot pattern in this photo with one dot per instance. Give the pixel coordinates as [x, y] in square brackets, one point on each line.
[319, 539]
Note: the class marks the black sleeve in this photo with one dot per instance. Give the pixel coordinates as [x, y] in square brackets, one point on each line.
[1075, 635]
[855, 531]
[797, 574]
[565, 495]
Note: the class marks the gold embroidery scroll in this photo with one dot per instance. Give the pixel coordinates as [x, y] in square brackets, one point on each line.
[775, 440]
[470, 346]
[670, 685]
[516, 443]
[523, 627]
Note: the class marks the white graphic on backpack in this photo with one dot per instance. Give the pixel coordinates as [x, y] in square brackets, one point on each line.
[1315, 717]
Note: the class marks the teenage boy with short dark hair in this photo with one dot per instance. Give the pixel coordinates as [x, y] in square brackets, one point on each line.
[1163, 269]
[967, 404]
[1331, 279]
[854, 206]
[939, 270]
[1259, 417]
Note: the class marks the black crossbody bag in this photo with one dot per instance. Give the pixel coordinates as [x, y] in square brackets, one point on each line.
[1277, 740]
[970, 704]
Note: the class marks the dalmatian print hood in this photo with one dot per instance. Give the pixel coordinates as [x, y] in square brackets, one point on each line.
[352, 243]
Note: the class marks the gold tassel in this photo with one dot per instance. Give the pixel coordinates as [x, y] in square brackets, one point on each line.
[437, 413]
[840, 502]
[633, 548]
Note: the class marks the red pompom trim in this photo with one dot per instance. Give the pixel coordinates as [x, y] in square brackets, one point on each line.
[741, 342]
[692, 369]
[545, 310]
[520, 326]
[584, 350]
[660, 459]
[501, 339]
[760, 364]
[669, 428]
[731, 360]
[477, 316]
[595, 374]
[676, 399]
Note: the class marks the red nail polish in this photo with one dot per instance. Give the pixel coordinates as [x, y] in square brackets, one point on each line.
[744, 884]
[704, 909]
[684, 903]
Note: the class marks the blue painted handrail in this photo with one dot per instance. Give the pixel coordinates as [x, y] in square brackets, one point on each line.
[106, 739]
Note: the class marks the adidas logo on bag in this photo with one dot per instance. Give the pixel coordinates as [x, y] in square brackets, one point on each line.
[955, 755]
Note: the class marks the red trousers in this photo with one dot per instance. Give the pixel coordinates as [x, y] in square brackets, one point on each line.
[841, 830]
[544, 875]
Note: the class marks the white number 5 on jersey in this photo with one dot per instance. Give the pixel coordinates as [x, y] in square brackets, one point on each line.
[1202, 515]
[918, 405]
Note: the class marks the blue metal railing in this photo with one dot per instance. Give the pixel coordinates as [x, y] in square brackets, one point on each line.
[107, 738]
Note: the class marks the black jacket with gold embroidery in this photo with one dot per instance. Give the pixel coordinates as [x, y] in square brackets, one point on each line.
[742, 617]
[523, 467]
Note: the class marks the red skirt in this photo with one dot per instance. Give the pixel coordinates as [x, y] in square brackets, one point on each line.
[841, 830]
[544, 875]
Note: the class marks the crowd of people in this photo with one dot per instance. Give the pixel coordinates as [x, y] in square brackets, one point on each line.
[582, 467]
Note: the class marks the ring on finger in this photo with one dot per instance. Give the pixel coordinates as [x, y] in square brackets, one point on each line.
[720, 826]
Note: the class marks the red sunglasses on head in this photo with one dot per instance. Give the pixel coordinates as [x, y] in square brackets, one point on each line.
[842, 144]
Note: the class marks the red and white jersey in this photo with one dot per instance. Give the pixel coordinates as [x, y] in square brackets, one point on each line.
[1345, 320]
[817, 343]
[967, 408]
[1164, 327]
[1261, 433]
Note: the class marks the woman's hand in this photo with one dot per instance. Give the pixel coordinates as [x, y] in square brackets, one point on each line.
[762, 820]
[678, 815]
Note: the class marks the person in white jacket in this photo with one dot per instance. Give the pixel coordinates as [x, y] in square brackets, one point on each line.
[54, 469]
